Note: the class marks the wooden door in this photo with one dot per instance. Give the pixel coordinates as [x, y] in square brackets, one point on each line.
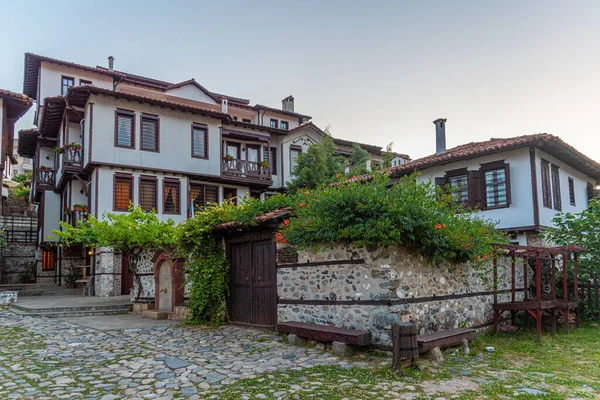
[126, 275]
[253, 298]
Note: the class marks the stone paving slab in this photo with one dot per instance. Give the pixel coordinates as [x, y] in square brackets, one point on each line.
[49, 358]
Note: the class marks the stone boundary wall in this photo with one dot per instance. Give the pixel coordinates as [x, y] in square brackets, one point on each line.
[18, 263]
[371, 289]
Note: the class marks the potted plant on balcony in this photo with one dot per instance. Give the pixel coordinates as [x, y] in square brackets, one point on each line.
[263, 164]
[80, 208]
[73, 146]
[59, 150]
[228, 157]
[45, 169]
[68, 210]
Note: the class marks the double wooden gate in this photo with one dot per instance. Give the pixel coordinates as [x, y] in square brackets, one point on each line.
[253, 296]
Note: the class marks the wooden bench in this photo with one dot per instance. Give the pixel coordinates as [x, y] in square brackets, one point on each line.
[324, 333]
[453, 337]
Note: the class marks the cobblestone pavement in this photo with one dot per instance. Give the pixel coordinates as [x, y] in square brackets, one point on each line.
[45, 358]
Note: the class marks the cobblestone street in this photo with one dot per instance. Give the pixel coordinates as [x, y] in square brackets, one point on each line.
[56, 359]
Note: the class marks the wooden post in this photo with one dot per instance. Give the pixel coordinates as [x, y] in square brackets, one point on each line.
[538, 278]
[575, 276]
[404, 339]
[553, 278]
[495, 280]
[589, 295]
[564, 274]
[512, 273]
[525, 283]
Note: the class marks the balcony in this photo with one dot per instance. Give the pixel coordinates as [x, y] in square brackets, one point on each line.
[246, 170]
[73, 217]
[72, 156]
[45, 178]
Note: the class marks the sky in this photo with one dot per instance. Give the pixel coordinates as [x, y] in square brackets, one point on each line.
[374, 71]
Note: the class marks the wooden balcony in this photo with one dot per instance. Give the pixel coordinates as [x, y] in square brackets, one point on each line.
[44, 179]
[72, 156]
[246, 171]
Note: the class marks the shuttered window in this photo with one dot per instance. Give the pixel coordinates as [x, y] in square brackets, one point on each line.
[556, 188]
[149, 132]
[123, 192]
[199, 141]
[171, 196]
[295, 152]
[48, 261]
[124, 129]
[460, 186]
[495, 178]
[571, 191]
[202, 196]
[148, 193]
[273, 160]
[546, 191]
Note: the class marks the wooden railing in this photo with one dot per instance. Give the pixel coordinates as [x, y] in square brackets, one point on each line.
[45, 178]
[74, 217]
[72, 156]
[245, 169]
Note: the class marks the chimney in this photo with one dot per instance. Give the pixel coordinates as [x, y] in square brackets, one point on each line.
[224, 106]
[111, 62]
[440, 135]
[287, 104]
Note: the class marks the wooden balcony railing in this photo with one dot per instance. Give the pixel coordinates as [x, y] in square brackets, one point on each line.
[72, 156]
[74, 217]
[45, 178]
[246, 169]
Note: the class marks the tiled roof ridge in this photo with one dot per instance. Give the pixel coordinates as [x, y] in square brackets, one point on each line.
[280, 212]
[16, 96]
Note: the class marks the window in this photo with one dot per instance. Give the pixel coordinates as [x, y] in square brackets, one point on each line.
[496, 187]
[246, 120]
[546, 192]
[274, 123]
[199, 141]
[233, 150]
[285, 125]
[556, 188]
[572, 191]
[123, 192]
[48, 261]
[124, 129]
[201, 196]
[171, 196]
[253, 153]
[230, 194]
[148, 193]
[67, 82]
[83, 82]
[461, 183]
[149, 132]
[295, 151]
[273, 160]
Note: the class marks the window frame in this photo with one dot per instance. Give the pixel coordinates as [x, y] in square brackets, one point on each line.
[176, 183]
[150, 117]
[493, 166]
[276, 125]
[52, 256]
[235, 197]
[128, 114]
[556, 192]
[292, 149]
[122, 176]
[148, 179]
[85, 82]
[460, 174]
[258, 149]
[572, 191]
[287, 125]
[273, 159]
[546, 183]
[62, 84]
[203, 127]
[203, 188]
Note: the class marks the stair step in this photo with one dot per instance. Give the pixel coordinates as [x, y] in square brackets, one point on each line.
[49, 292]
[98, 308]
[72, 313]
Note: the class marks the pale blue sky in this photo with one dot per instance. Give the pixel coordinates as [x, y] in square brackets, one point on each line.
[376, 71]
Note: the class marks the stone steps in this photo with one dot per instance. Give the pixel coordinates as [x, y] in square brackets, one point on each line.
[40, 289]
[66, 314]
[98, 308]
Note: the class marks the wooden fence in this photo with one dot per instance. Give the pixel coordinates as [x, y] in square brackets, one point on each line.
[588, 296]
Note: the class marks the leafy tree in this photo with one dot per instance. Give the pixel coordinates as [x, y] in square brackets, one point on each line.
[358, 160]
[21, 178]
[319, 165]
[388, 155]
[22, 190]
[130, 233]
[582, 229]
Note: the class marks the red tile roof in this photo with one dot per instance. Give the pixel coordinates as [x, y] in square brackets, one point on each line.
[271, 215]
[546, 142]
[17, 103]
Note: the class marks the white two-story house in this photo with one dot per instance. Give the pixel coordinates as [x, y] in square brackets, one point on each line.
[105, 139]
[520, 182]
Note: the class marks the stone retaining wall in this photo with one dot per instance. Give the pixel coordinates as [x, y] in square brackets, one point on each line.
[18, 263]
[372, 289]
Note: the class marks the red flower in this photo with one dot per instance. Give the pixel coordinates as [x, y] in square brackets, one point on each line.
[438, 226]
[302, 204]
[286, 222]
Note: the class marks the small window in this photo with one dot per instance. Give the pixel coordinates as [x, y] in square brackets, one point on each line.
[124, 129]
[572, 191]
[461, 183]
[246, 120]
[295, 151]
[149, 132]
[556, 188]
[171, 196]
[273, 160]
[230, 194]
[546, 191]
[496, 188]
[148, 193]
[274, 123]
[48, 261]
[285, 125]
[67, 82]
[123, 192]
[83, 82]
[199, 141]
[202, 196]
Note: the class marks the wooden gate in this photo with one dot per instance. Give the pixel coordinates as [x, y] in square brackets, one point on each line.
[253, 291]
[126, 275]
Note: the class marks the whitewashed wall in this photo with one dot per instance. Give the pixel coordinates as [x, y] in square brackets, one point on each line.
[50, 79]
[303, 139]
[51, 214]
[191, 92]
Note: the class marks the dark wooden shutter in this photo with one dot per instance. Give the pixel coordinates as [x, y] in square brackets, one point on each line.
[571, 191]
[148, 193]
[211, 194]
[590, 191]
[475, 189]
[124, 128]
[441, 182]
[508, 187]
[546, 191]
[273, 160]
[556, 188]
[149, 133]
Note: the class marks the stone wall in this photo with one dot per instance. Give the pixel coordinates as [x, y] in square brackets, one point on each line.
[146, 271]
[107, 270]
[18, 263]
[359, 289]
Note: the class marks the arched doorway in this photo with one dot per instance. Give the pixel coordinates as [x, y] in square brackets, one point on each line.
[169, 280]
